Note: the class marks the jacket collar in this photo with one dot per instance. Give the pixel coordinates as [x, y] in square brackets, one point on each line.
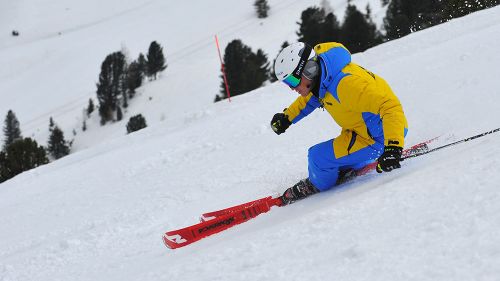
[332, 62]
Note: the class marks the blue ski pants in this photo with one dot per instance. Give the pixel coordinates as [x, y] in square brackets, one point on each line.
[324, 165]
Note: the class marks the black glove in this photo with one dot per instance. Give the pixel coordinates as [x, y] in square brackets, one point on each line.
[389, 160]
[280, 123]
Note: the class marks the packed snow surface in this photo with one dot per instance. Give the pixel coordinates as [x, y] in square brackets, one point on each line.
[99, 213]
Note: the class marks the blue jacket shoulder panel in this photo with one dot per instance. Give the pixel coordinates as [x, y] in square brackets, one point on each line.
[332, 62]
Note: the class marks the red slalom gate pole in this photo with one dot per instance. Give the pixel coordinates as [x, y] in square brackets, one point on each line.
[222, 69]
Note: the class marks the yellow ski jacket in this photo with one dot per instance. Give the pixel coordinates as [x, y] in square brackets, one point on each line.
[361, 102]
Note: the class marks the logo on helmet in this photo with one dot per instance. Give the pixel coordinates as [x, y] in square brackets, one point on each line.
[298, 72]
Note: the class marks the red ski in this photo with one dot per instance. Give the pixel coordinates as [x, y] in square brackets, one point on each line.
[239, 214]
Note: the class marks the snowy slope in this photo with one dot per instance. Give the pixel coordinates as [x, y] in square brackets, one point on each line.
[99, 214]
[62, 45]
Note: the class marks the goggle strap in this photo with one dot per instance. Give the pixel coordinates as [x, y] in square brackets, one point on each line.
[297, 72]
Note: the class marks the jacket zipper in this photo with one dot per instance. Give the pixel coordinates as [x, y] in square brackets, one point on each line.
[351, 143]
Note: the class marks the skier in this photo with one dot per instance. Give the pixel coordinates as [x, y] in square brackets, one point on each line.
[362, 103]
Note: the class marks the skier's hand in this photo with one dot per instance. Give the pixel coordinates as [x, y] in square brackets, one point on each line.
[389, 160]
[280, 123]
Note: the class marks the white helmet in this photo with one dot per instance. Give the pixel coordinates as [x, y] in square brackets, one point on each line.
[291, 61]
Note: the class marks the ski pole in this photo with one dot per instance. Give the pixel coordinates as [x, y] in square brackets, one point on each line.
[450, 144]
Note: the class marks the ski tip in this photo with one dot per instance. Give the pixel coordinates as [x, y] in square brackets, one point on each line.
[166, 242]
[174, 241]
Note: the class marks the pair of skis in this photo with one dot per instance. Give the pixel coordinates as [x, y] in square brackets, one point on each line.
[217, 221]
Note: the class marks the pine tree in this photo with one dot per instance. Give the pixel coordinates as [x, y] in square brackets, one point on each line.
[318, 27]
[124, 100]
[136, 123]
[57, 145]
[142, 63]
[330, 29]
[491, 3]
[459, 8]
[11, 129]
[4, 170]
[217, 98]
[358, 31]
[262, 8]
[134, 78]
[20, 156]
[111, 85]
[155, 60]
[119, 113]
[258, 69]
[90, 107]
[310, 30]
[236, 55]
[51, 124]
[245, 70]
[123, 87]
[397, 24]
[406, 16]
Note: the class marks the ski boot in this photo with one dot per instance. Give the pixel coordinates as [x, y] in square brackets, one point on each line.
[300, 190]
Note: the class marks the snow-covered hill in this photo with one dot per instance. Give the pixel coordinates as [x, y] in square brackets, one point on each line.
[99, 213]
[54, 64]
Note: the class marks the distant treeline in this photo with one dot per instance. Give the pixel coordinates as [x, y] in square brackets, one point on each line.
[246, 70]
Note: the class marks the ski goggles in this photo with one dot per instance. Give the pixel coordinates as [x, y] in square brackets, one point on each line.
[310, 72]
[293, 79]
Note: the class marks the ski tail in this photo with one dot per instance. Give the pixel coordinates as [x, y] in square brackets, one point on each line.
[269, 200]
[417, 148]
